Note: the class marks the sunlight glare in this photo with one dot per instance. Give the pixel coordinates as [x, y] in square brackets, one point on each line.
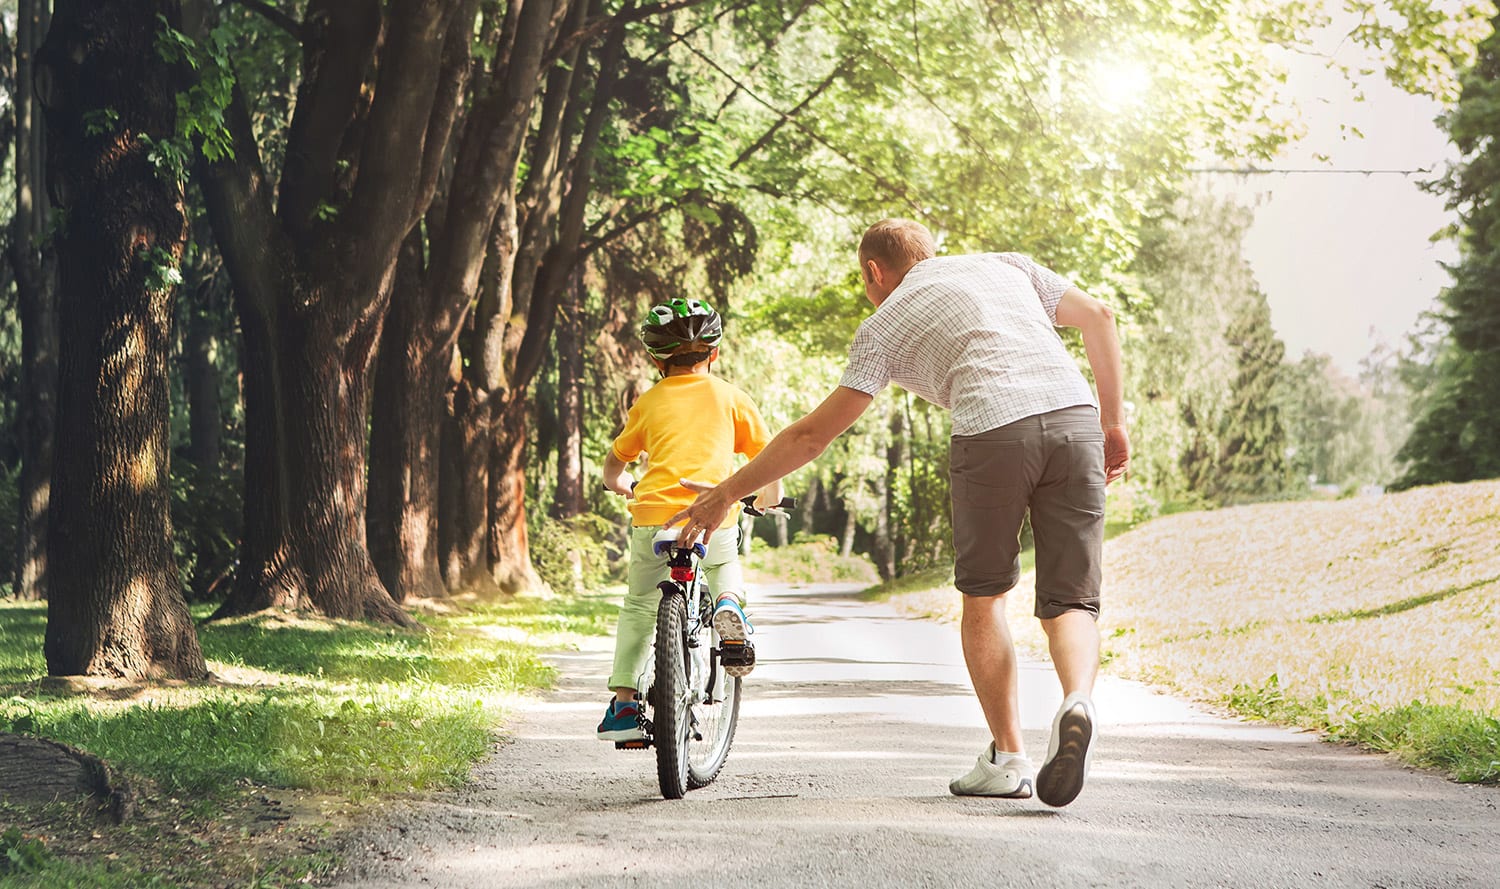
[1120, 84]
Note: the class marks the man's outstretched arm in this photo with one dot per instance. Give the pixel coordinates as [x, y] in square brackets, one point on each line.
[792, 448]
[1101, 344]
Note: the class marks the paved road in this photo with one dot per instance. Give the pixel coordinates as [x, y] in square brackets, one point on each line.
[852, 726]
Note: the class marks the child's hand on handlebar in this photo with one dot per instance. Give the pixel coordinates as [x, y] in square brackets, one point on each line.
[624, 485]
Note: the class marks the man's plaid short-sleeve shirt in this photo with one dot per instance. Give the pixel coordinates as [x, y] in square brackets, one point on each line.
[975, 334]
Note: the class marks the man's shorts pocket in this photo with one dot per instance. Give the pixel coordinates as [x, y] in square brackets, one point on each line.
[985, 473]
[1085, 450]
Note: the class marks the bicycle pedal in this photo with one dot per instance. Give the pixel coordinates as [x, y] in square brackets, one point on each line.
[637, 744]
[737, 656]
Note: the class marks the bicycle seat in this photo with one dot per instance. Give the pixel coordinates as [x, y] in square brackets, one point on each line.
[666, 539]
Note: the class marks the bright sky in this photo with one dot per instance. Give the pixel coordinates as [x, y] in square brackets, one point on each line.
[1344, 259]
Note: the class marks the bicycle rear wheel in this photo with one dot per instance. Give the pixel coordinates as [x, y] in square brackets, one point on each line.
[715, 722]
[671, 720]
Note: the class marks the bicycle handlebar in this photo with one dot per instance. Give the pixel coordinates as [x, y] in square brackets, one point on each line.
[786, 503]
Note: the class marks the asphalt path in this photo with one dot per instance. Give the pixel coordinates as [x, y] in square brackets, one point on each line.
[852, 725]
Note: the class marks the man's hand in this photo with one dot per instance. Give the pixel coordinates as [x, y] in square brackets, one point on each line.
[1116, 452]
[703, 516]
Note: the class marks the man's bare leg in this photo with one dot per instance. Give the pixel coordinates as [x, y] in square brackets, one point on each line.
[1073, 640]
[991, 658]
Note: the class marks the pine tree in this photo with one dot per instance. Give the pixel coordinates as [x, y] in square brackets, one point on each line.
[1252, 437]
[1457, 433]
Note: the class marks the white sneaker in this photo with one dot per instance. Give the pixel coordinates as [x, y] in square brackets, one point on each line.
[1061, 776]
[1010, 779]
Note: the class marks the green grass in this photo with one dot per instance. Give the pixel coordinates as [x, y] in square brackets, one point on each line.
[1463, 744]
[326, 707]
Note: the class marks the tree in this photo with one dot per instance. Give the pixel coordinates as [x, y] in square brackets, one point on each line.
[463, 232]
[568, 500]
[379, 95]
[34, 261]
[1456, 436]
[1251, 461]
[109, 83]
[1197, 321]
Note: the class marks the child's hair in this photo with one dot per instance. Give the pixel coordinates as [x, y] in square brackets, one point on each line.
[688, 359]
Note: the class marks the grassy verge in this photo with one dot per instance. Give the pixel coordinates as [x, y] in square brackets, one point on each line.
[1373, 620]
[303, 719]
[806, 561]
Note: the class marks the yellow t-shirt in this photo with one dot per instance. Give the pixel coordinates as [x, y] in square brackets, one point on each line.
[689, 426]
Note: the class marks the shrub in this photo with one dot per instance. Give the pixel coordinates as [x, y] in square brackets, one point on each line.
[577, 555]
[811, 559]
[207, 518]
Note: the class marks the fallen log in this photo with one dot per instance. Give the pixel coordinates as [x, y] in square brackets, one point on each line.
[38, 772]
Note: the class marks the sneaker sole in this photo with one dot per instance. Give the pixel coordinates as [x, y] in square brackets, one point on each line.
[1060, 779]
[1022, 791]
[731, 629]
[628, 734]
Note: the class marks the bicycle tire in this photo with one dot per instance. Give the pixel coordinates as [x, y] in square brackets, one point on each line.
[671, 719]
[718, 721]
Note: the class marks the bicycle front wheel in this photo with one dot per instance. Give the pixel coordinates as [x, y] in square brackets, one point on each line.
[671, 721]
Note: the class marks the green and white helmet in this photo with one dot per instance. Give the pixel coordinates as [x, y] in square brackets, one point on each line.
[677, 321]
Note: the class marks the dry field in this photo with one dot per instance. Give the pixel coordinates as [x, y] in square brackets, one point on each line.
[1354, 606]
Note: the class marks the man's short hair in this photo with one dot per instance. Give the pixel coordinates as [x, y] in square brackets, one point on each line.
[897, 244]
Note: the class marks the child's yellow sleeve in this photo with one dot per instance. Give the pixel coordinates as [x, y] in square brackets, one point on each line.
[632, 440]
[750, 433]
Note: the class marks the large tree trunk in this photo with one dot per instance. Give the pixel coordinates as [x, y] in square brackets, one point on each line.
[568, 498]
[464, 491]
[36, 300]
[405, 435]
[328, 493]
[115, 607]
[509, 548]
[465, 532]
[304, 543]
[269, 575]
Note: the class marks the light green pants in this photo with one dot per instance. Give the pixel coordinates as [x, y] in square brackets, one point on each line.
[637, 624]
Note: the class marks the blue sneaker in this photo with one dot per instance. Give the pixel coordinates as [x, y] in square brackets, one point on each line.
[736, 652]
[622, 722]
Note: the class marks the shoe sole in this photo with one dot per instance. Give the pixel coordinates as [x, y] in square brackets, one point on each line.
[731, 629]
[624, 734]
[1060, 779]
[1023, 791]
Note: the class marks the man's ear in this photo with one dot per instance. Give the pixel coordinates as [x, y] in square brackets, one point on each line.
[713, 354]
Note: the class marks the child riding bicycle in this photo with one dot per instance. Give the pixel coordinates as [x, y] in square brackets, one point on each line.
[689, 425]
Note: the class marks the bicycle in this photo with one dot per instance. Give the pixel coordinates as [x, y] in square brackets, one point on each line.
[690, 704]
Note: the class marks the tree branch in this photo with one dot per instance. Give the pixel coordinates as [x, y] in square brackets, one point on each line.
[273, 15]
[384, 204]
[340, 42]
[895, 188]
[605, 24]
[786, 117]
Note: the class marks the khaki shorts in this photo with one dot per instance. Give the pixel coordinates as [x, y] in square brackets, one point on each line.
[1053, 465]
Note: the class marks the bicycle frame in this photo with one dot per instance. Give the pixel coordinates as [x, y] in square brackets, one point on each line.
[690, 701]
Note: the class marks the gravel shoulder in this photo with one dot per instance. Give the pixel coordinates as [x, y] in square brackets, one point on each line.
[854, 722]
